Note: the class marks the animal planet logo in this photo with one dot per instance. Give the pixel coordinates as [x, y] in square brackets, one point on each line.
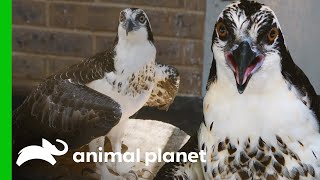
[45, 152]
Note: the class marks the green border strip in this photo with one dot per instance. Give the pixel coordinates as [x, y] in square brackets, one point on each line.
[6, 89]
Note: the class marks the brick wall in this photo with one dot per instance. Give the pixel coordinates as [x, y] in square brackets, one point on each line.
[49, 35]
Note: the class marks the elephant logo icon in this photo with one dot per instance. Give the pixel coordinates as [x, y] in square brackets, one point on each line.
[45, 152]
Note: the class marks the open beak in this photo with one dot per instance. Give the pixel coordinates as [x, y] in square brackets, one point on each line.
[129, 26]
[243, 62]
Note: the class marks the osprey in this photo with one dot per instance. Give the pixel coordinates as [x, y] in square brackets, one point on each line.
[261, 114]
[88, 99]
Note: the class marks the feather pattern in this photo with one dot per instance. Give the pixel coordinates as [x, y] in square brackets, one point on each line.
[269, 131]
[62, 106]
[167, 84]
[273, 130]
[88, 70]
[182, 170]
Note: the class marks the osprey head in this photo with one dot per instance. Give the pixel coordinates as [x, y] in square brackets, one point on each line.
[246, 42]
[134, 24]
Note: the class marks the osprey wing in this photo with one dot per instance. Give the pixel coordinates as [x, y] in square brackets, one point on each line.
[63, 107]
[166, 88]
[88, 70]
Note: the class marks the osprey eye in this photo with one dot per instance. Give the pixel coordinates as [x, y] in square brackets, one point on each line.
[273, 34]
[142, 19]
[222, 30]
[122, 17]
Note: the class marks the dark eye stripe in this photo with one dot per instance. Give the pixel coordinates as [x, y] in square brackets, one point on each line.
[138, 15]
[262, 32]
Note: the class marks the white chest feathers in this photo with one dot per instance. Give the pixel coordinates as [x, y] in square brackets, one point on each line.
[267, 135]
[132, 56]
[133, 79]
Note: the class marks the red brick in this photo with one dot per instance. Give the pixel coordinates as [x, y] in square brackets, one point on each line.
[154, 3]
[177, 24]
[169, 52]
[22, 87]
[50, 42]
[187, 25]
[97, 18]
[28, 12]
[104, 43]
[192, 52]
[179, 52]
[198, 5]
[89, 17]
[29, 67]
[56, 64]
[190, 82]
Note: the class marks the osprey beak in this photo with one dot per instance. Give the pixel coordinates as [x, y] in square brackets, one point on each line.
[129, 26]
[243, 62]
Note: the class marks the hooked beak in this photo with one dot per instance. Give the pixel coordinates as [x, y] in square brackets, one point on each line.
[129, 26]
[244, 62]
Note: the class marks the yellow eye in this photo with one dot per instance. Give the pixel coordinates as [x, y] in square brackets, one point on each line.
[222, 30]
[142, 19]
[122, 17]
[273, 34]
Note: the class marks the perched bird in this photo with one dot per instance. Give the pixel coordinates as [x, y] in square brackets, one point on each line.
[88, 99]
[261, 113]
